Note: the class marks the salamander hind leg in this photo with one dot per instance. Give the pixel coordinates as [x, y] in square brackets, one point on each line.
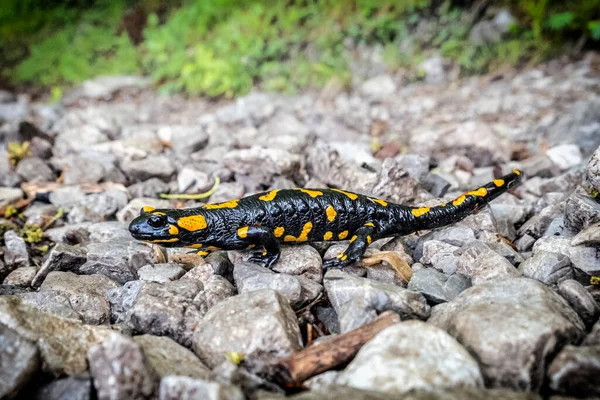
[264, 237]
[358, 245]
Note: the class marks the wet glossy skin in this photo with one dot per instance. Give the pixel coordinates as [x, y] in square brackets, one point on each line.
[266, 220]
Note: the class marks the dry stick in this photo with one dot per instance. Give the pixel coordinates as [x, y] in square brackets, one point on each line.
[321, 357]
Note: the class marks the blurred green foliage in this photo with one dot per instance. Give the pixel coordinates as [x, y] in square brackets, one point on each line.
[225, 47]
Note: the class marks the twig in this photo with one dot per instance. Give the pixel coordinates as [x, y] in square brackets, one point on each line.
[295, 369]
[198, 196]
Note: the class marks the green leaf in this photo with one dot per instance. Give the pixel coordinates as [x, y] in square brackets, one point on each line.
[594, 28]
[560, 20]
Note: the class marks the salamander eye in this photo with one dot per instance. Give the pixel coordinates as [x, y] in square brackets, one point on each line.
[157, 221]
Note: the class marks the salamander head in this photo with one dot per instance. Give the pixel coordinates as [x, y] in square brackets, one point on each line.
[156, 226]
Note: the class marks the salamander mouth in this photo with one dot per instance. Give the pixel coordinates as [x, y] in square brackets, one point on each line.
[149, 237]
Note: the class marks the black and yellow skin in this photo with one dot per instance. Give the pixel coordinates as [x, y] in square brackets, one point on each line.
[266, 220]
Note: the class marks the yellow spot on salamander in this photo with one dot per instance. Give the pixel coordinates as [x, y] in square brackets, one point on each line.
[343, 235]
[340, 255]
[148, 209]
[344, 257]
[368, 239]
[303, 237]
[227, 204]
[327, 236]
[331, 213]
[351, 195]
[192, 223]
[173, 230]
[369, 224]
[459, 200]
[164, 240]
[213, 248]
[516, 171]
[498, 182]
[312, 193]
[379, 201]
[251, 246]
[278, 232]
[203, 253]
[353, 238]
[264, 253]
[481, 192]
[269, 196]
[194, 246]
[243, 232]
[417, 212]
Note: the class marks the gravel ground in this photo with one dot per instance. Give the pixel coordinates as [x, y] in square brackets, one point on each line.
[501, 305]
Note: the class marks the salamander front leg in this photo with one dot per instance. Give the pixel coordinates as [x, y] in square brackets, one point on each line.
[264, 237]
[358, 245]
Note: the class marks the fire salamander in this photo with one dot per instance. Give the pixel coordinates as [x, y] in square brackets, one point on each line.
[266, 220]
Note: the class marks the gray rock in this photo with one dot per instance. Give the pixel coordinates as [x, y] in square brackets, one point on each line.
[150, 167]
[321, 380]
[186, 139]
[558, 227]
[165, 357]
[180, 387]
[262, 164]
[454, 235]
[62, 257]
[34, 169]
[283, 132]
[117, 259]
[593, 338]
[593, 170]
[51, 302]
[378, 88]
[525, 243]
[66, 197]
[355, 313]
[20, 277]
[437, 287]
[221, 265]
[76, 387]
[119, 371]
[584, 258]
[237, 324]
[19, 362]
[549, 268]
[575, 370]
[103, 87]
[538, 224]
[9, 196]
[578, 125]
[93, 208]
[14, 111]
[162, 310]
[216, 289]
[250, 277]
[161, 273]
[227, 191]
[434, 69]
[193, 181]
[342, 288]
[440, 255]
[15, 255]
[482, 221]
[87, 294]
[590, 236]
[77, 170]
[565, 156]
[63, 343]
[253, 109]
[107, 231]
[581, 300]
[489, 31]
[152, 187]
[39, 214]
[410, 356]
[581, 211]
[482, 264]
[520, 323]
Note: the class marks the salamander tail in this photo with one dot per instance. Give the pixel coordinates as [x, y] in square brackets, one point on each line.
[465, 204]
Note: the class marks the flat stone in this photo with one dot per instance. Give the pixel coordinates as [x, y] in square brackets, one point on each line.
[63, 343]
[581, 211]
[159, 309]
[35, 169]
[411, 355]
[549, 268]
[575, 370]
[118, 369]
[87, 294]
[19, 362]
[20, 277]
[16, 254]
[581, 300]
[51, 302]
[107, 231]
[69, 234]
[565, 156]
[9, 196]
[440, 255]
[165, 357]
[262, 164]
[237, 324]
[482, 264]
[590, 236]
[583, 258]
[454, 235]
[372, 297]
[181, 387]
[216, 289]
[66, 197]
[95, 207]
[161, 273]
[379, 87]
[76, 387]
[436, 286]
[520, 323]
[78, 170]
[151, 167]
[152, 187]
[62, 257]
